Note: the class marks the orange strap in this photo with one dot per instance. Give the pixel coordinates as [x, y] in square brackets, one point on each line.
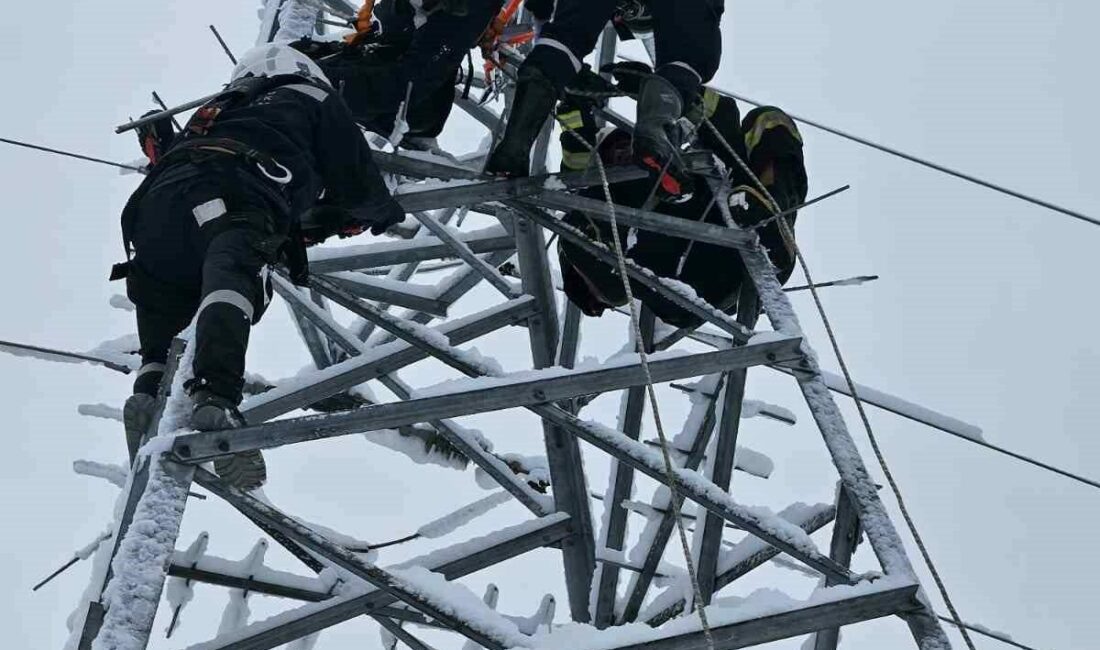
[363, 23]
[491, 37]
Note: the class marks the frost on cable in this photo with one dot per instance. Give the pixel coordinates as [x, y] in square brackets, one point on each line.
[114, 474]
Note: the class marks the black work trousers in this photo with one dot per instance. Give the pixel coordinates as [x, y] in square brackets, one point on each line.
[686, 33]
[375, 89]
[199, 252]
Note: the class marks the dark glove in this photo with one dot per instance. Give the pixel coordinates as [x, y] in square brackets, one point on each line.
[318, 49]
[628, 75]
[321, 222]
[588, 90]
[154, 138]
[378, 217]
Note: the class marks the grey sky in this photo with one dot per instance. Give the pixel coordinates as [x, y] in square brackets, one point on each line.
[985, 310]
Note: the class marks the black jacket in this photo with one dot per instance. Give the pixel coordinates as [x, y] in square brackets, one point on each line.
[308, 129]
[294, 125]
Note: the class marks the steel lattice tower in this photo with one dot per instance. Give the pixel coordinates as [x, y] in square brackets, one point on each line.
[141, 556]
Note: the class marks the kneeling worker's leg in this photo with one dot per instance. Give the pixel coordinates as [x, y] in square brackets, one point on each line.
[689, 49]
[555, 60]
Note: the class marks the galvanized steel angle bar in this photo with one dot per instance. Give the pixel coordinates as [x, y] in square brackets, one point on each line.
[493, 466]
[721, 466]
[463, 252]
[816, 521]
[403, 252]
[389, 583]
[846, 534]
[792, 623]
[567, 476]
[380, 361]
[264, 637]
[613, 537]
[639, 585]
[387, 295]
[523, 392]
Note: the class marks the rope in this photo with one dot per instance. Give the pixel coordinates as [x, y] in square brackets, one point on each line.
[677, 501]
[788, 237]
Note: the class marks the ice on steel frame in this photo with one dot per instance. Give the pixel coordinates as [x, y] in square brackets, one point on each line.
[142, 557]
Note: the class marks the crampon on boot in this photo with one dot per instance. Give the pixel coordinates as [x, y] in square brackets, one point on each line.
[535, 98]
[246, 470]
[137, 415]
[657, 136]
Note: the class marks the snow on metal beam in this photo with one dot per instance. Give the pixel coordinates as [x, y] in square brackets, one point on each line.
[747, 555]
[870, 603]
[398, 587]
[377, 362]
[453, 562]
[353, 258]
[400, 294]
[698, 428]
[643, 219]
[478, 396]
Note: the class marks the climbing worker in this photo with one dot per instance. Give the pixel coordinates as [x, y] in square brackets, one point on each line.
[398, 71]
[767, 141]
[234, 194]
[688, 49]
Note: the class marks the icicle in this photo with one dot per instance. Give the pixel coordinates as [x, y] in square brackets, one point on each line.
[492, 595]
[114, 474]
[100, 411]
[389, 641]
[236, 611]
[449, 523]
[119, 301]
[180, 591]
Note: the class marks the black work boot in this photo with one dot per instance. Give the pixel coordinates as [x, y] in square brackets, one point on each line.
[246, 470]
[535, 98]
[137, 415]
[657, 135]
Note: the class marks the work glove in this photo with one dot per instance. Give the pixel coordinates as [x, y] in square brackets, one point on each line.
[321, 222]
[377, 217]
[154, 138]
[628, 75]
[588, 90]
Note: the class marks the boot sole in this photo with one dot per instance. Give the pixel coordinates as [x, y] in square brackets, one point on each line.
[245, 471]
[137, 415]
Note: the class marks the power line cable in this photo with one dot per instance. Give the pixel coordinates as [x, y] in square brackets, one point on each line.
[911, 158]
[70, 154]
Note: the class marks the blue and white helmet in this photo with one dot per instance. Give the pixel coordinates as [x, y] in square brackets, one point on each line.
[275, 59]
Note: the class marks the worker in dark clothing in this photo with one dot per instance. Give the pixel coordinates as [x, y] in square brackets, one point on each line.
[410, 55]
[229, 198]
[688, 51]
[767, 140]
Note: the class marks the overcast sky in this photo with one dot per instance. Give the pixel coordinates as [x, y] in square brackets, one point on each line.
[985, 310]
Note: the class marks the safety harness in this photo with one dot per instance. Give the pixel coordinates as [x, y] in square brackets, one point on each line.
[193, 145]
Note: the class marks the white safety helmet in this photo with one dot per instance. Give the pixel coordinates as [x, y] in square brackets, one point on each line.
[275, 59]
